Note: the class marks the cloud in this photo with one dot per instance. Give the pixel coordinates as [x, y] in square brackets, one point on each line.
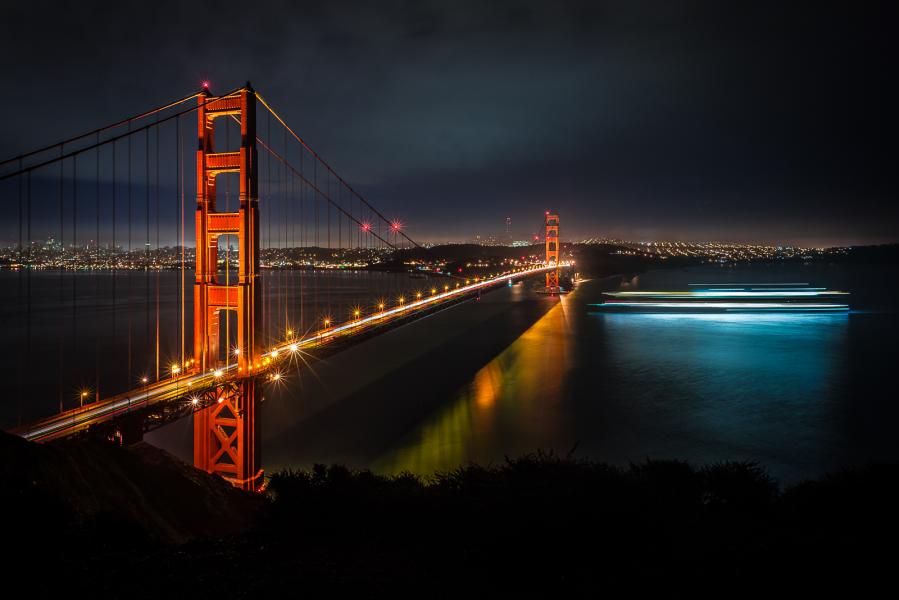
[675, 108]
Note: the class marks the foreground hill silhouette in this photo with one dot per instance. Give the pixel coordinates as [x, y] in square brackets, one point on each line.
[137, 523]
[86, 489]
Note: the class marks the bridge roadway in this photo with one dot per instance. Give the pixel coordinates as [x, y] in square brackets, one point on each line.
[193, 387]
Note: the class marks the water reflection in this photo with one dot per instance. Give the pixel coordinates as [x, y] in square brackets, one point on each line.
[709, 387]
[512, 405]
[624, 387]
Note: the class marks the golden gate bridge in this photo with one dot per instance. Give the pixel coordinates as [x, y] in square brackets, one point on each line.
[284, 205]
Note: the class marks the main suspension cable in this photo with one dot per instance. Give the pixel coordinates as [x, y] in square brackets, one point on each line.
[328, 167]
[113, 139]
[318, 191]
[99, 130]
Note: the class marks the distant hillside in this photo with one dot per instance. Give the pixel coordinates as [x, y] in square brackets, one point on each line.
[882, 254]
[470, 251]
[601, 260]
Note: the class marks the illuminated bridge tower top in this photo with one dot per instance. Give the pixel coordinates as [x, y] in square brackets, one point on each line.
[552, 252]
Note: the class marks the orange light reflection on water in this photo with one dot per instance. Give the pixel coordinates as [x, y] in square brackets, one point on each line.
[511, 406]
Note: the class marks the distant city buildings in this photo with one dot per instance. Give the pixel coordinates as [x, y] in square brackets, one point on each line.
[721, 252]
[492, 240]
[50, 254]
[53, 255]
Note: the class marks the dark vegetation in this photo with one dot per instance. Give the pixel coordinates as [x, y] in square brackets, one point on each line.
[91, 488]
[884, 254]
[600, 260]
[597, 260]
[468, 252]
[136, 523]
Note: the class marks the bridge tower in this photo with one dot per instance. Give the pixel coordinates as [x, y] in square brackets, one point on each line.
[553, 251]
[226, 433]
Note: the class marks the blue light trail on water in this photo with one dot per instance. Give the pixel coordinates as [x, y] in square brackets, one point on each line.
[730, 306]
[746, 298]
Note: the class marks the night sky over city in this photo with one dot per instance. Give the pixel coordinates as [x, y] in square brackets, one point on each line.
[740, 121]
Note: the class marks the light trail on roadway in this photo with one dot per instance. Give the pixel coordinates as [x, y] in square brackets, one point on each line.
[79, 419]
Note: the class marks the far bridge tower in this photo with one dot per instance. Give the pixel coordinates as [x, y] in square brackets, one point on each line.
[553, 251]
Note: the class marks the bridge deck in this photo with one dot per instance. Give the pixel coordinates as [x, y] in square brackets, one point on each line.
[162, 401]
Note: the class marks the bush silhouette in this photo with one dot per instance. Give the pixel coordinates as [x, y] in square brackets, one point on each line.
[536, 525]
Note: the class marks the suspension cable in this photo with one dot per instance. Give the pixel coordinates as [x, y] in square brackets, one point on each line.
[147, 251]
[156, 259]
[61, 270]
[328, 167]
[113, 139]
[130, 278]
[99, 130]
[97, 275]
[318, 191]
[75, 263]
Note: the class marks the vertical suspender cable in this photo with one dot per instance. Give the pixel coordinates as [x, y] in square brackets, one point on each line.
[277, 244]
[287, 207]
[315, 247]
[113, 254]
[130, 264]
[283, 224]
[28, 275]
[75, 358]
[179, 198]
[295, 256]
[147, 252]
[61, 273]
[339, 221]
[23, 359]
[266, 279]
[97, 272]
[156, 261]
[303, 246]
[330, 280]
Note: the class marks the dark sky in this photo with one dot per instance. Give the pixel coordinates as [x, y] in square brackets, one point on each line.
[744, 121]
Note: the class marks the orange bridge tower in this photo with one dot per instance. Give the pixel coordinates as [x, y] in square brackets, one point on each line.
[226, 433]
[552, 252]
